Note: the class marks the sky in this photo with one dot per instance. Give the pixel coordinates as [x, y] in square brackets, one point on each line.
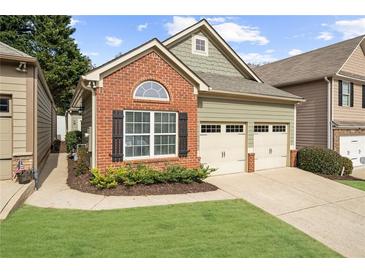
[257, 39]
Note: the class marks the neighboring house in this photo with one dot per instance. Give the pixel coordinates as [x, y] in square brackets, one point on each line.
[27, 113]
[332, 80]
[61, 127]
[187, 100]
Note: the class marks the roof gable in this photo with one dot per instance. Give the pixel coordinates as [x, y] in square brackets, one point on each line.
[99, 73]
[355, 65]
[312, 65]
[219, 43]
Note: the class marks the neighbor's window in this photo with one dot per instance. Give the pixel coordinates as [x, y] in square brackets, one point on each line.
[261, 128]
[149, 134]
[4, 104]
[200, 45]
[151, 90]
[346, 94]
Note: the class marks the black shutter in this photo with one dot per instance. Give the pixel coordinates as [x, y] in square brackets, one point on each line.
[363, 96]
[351, 94]
[340, 92]
[117, 145]
[183, 134]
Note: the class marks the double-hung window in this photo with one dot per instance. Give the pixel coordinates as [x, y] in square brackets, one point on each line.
[346, 94]
[150, 134]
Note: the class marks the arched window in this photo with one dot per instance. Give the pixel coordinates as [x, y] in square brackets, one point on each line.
[151, 90]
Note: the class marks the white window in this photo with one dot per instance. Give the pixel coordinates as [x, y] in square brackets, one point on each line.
[346, 94]
[151, 90]
[4, 104]
[200, 45]
[234, 128]
[278, 128]
[210, 129]
[261, 128]
[150, 134]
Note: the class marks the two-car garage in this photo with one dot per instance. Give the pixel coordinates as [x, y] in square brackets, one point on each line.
[224, 146]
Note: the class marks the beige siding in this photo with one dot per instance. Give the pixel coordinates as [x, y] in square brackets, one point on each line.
[14, 83]
[86, 117]
[312, 114]
[224, 110]
[356, 63]
[44, 126]
[342, 113]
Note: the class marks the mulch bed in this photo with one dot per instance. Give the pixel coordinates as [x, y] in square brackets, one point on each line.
[82, 183]
[337, 177]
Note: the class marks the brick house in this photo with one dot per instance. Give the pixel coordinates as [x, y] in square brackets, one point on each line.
[188, 100]
[332, 80]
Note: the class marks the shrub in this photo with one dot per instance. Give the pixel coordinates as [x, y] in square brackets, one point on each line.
[142, 174]
[72, 138]
[323, 161]
[82, 163]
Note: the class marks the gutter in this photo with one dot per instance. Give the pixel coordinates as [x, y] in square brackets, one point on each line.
[329, 114]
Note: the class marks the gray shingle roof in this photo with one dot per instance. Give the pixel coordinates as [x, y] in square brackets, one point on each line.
[310, 65]
[240, 84]
[10, 51]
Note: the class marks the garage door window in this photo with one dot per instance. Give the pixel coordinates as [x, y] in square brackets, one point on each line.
[210, 128]
[234, 128]
[261, 128]
[4, 105]
[279, 128]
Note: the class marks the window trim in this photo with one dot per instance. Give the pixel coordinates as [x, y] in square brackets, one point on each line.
[279, 125]
[347, 95]
[152, 136]
[200, 52]
[10, 108]
[150, 98]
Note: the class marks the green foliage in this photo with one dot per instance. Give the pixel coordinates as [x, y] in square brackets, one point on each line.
[72, 138]
[49, 39]
[142, 174]
[323, 161]
[82, 163]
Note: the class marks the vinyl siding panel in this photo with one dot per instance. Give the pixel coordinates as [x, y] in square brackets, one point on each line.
[342, 113]
[215, 62]
[227, 110]
[86, 117]
[356, 63]
[44, 125]
[312, 114]
[14, 83]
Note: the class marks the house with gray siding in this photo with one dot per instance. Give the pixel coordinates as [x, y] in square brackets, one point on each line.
[332, 80]
[188, 100]
[28, 119]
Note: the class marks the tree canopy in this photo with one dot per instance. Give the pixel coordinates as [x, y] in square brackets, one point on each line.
[49, 39]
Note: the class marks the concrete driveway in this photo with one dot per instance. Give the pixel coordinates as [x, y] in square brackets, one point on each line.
[326, 210]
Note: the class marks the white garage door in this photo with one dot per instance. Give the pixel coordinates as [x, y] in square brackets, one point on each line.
[223, 146]
[353, 147]
[270, 146]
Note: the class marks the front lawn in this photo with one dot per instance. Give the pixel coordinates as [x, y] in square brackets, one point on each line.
[232, 228]
[359, 184]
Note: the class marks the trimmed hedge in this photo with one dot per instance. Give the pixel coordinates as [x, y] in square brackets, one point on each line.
[323, 161]
[146, 175]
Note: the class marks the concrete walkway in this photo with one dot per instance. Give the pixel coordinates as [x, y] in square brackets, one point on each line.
[12, 195]
[55, 193]
[328, 211]
[359, 172]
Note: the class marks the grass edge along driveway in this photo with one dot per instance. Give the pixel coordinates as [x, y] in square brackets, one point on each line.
[232, 228]
[359, 184]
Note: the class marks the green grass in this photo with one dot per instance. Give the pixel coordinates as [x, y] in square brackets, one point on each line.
[354, 183]
[211, 229]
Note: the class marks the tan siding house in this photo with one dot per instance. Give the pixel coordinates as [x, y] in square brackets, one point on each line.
[332, 80]
[28, 114]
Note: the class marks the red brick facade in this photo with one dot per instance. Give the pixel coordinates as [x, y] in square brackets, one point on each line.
[117, 94]
[293, 157]
[251, 162]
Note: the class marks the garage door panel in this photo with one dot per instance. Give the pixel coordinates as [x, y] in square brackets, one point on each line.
[353, 147]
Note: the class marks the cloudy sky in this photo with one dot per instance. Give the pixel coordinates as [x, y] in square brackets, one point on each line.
[257, 39]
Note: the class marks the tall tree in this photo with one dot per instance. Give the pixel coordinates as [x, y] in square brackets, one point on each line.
[49, 39]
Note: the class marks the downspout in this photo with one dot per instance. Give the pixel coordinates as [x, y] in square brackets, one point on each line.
[92, 89]
[329, 113]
